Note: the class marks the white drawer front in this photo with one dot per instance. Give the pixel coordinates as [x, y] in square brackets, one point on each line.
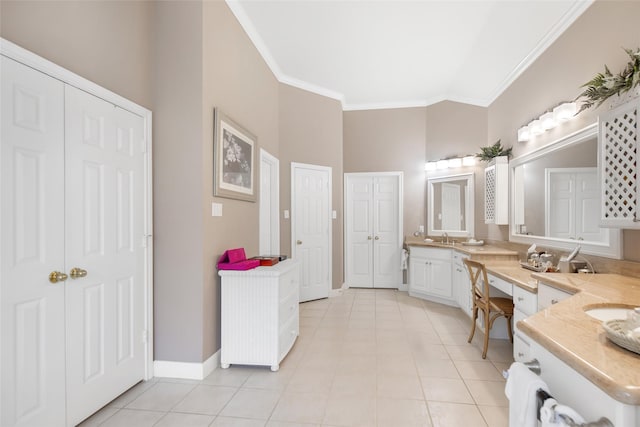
[547, 296]
[431, 253]
[521, 349]
[458, 258]
[288, 334]
[525, 301]
[288, 283]
[498, 283]
[517, 316]
[287, 308]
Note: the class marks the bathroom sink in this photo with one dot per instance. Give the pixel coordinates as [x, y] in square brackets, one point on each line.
[604, 312]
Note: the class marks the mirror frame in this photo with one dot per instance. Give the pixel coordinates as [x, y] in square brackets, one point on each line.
[612, 249]
[469, 204]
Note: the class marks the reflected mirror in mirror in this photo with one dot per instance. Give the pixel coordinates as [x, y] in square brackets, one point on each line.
[556, 195]
[450, 207]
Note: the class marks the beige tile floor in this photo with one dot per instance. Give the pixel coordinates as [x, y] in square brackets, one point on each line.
[365, 358]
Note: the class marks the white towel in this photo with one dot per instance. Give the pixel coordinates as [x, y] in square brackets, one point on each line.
[405, 256]
[521, 388]
[550, 415]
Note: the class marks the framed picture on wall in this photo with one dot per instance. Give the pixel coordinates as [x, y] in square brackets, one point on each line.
[234, 159]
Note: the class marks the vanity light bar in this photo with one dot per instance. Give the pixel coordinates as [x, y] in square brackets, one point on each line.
[455, 162]
[549, 120]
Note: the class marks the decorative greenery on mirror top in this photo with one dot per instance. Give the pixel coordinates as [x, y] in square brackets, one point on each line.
[495, 150]
[604, 85]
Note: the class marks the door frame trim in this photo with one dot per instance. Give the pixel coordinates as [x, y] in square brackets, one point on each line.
[275, 201]
[400, 176]
[30, 59]
[329, 170]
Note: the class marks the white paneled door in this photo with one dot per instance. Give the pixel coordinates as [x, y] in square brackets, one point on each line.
[32, 247]
[311, 228]
[373, 237]
[72, 274]
[104, 159]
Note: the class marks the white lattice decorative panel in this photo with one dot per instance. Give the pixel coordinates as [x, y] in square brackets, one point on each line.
[496, 191]
[490, 194]
[619, 153]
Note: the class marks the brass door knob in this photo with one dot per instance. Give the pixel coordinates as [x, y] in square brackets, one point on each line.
[77, 273]
[56, 276]
[298, 242]
[368, 237]
[377, 238]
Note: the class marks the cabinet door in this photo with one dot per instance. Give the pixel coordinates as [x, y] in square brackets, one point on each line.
[462, 288]
[618, 149]
[418, 274]
[439, 278]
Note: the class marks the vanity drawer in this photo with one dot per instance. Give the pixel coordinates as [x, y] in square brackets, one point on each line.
[525, 301]
[458, 258]
[500, 284]
[517, 316]
[521, 349]
[431, 253]
[548, 295]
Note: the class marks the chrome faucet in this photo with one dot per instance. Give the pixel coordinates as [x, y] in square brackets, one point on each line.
[445, 236]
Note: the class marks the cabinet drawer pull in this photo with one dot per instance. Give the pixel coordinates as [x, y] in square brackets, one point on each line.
[520, 354]
[554, 301]
[520, 299]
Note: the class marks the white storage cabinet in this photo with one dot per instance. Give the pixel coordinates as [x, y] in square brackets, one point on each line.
[496, 191]
[430, 274]
[260, 318]
[619, 166]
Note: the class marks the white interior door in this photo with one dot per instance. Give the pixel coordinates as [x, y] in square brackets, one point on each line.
[359, 231]
[386, 246]
[31, 247]
[269, 204]
[311, 228]
[373, 243]
[105, 231]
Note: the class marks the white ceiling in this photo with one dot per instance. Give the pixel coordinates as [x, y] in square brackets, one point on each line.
[391, 53]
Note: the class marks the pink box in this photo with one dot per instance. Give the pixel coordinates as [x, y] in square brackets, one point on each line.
[235, 259]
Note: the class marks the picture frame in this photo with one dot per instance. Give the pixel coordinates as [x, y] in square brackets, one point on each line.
[234, 159]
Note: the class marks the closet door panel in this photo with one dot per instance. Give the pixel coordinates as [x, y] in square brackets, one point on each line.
[359, 268]
[386, 250]
[31, 246]
[105, 211]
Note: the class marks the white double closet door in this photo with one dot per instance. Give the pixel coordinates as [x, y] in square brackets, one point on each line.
[373, 230]
[72, 181]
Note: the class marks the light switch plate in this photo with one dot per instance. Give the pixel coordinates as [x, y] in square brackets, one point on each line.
[421, 228]
[334, 214]
[216, 209]
[286, 214]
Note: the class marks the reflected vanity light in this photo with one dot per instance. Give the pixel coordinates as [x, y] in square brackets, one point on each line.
[454, 162]
[548, 120]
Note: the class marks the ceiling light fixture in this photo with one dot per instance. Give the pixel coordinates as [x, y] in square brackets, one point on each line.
[452, 162]
[548, 120]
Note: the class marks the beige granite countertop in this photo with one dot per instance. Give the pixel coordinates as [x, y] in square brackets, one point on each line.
[579, 340]
[469, 250]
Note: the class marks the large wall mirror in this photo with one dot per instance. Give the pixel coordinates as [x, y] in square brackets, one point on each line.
[451, 206]
[555, 197]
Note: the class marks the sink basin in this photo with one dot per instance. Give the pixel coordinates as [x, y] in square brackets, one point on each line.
[605, 312]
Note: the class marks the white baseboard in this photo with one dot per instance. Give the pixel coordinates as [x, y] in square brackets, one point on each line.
[186, 370]
[404, 287]
[337, 292]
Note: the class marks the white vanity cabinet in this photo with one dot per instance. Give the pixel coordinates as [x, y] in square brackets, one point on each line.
[430, 274]
[571, 388]
[259, 319]
[525, 304]
[496, 191]
[619, 163]
[461, 283]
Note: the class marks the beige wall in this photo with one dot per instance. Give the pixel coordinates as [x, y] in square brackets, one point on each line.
[311, 132]
[404, 139]
[596, 38]
[107, 42]
[390, 140]
[239, 83]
